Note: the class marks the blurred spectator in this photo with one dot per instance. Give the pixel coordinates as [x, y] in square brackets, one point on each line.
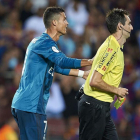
[69, 88]
[91, 4]
[124, 130]
[8, 131]
[104, 6]
[56, 105]
[26, 11]
[67, 45]
[71, 132]
[63, 3]
[5, 105]
[37, 4]
[10, 60]
[21, 21]
[35, 23]
[136, 88]
[77, 16]
[129, 76]
[52, 3]
[136, 123]
[11, 21]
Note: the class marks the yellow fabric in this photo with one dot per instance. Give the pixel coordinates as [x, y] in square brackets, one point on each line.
[7, 133]
[109, 61]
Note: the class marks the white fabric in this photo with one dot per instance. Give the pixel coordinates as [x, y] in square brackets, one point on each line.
[56, 102]
[80, 73]
[35, 23]
[39, 4]
[77, 19]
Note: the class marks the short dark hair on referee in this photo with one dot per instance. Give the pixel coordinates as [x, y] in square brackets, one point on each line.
[113, 17]
[50, 14]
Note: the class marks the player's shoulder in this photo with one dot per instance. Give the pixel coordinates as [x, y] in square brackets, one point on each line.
[42, 41]
[49, 42]
[109, 45]
[46, 40]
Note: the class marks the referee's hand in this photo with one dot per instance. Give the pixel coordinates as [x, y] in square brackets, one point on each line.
[122, 92]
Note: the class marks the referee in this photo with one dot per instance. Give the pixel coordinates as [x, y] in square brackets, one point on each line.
[103, 81]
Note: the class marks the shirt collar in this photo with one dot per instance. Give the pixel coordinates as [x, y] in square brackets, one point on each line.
[48, 37]
[114, 39]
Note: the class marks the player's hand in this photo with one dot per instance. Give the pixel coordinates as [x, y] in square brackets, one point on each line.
[91, 60]
[86, 73]
[122, 92]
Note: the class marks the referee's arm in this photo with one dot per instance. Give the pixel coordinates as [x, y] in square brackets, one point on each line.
[97, 82]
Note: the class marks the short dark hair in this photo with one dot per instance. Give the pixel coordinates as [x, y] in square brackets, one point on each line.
[50, 14]
[115, 16]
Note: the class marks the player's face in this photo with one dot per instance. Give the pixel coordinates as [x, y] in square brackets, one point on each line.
[128, 26]
[62, 24]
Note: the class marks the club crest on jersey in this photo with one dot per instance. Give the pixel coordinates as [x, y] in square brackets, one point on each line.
[55, 49]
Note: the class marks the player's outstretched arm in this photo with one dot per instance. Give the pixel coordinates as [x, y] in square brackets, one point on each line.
[79, 73]
[86, 62]
[60, 59]
[97, 82]
[72, 72]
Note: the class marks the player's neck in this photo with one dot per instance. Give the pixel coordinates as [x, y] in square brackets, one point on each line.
[52, 34]
[121, 40]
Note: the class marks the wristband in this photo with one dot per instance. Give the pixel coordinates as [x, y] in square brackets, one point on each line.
[80, 73]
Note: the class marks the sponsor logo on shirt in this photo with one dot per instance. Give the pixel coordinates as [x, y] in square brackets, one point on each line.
[109, 50]
[104, 68]
[51, 71]
[114, 54]
[55, 49]
[102, 60]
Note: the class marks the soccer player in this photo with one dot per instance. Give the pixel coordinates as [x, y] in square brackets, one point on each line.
[42, 59]
[103, 80]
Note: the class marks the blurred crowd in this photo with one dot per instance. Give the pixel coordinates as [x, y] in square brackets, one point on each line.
[21, 21]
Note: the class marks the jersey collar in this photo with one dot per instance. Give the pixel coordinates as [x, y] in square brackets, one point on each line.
[48, 37]
[114, 39]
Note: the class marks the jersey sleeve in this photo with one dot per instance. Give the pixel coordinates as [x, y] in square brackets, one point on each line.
[49, 50]
[64, 62]
[106, 60]
[42, 48]
[57, 69]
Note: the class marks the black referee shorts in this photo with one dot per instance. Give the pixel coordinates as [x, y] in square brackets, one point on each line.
[95, 120]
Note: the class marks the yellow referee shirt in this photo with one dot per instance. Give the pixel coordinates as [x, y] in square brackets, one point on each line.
[109, 61]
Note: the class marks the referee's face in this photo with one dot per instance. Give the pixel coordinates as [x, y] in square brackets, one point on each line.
[62, 24]
[128, 27]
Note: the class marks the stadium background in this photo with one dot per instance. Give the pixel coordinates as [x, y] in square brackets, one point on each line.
[21, 21]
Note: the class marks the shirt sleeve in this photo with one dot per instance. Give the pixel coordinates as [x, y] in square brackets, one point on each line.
[57, 69]
[106, 60]
[50, 51]
[64, 62]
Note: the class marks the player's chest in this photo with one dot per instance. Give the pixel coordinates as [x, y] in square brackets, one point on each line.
[119, 62]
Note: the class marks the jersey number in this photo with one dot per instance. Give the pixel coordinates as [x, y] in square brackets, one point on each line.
[44, 137]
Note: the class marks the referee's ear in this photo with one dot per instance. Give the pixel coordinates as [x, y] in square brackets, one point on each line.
[119, 26]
